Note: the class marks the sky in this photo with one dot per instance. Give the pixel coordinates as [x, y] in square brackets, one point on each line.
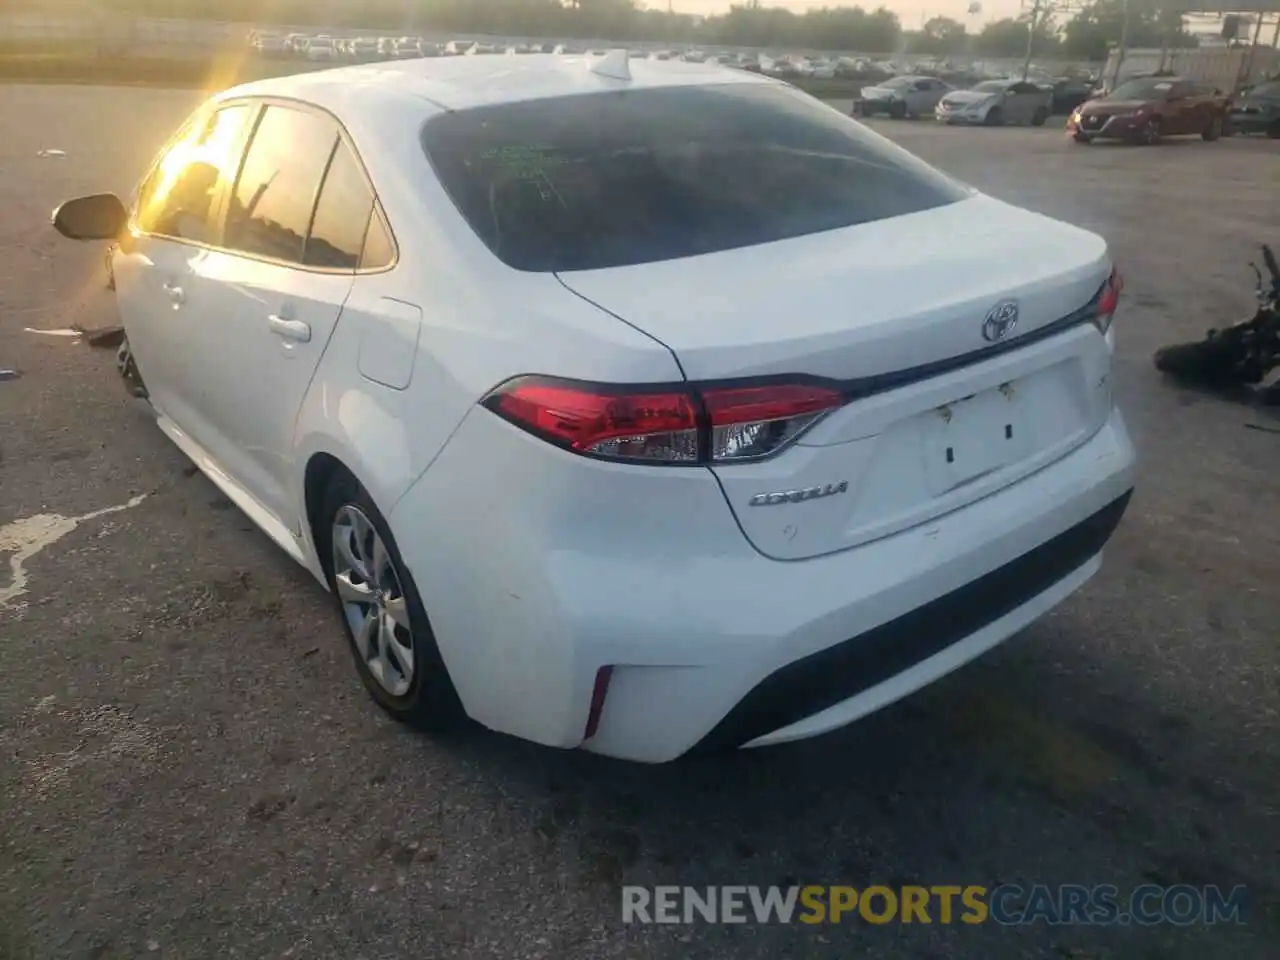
[911, 12]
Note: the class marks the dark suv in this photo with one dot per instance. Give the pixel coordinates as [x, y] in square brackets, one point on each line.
[1257, 110]
[1144, 110]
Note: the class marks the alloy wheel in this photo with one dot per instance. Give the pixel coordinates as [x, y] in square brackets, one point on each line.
[368, 586]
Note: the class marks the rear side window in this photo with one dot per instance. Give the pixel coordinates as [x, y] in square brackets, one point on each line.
[379, 250]
[271, 206]
[342, 215]
[178, 200]
[612, 179]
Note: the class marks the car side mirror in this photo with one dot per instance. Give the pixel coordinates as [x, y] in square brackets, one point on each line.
[100, 216]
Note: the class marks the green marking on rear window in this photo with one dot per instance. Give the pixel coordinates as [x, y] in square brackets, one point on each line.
[523, 160]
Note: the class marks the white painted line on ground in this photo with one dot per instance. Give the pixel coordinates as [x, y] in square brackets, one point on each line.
[26, 537]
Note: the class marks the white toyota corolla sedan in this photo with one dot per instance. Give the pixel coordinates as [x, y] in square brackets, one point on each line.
[642, 407]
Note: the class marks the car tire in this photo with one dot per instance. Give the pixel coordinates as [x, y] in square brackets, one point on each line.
[1149, 135]
[994, 118]
[1273, 131]
[1213, 131]
[397, 656]
[1079, 137]
[897, 110]
[127, 367]
[1040, 117]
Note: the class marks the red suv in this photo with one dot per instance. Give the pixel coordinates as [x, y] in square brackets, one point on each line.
[1147, 108]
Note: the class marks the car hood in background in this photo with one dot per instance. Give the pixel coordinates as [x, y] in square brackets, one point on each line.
[964, 98]
[1104, 107]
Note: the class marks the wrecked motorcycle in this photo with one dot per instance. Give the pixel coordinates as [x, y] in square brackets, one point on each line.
[1236, 356]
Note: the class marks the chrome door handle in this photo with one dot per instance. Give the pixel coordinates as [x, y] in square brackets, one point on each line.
[290, 329]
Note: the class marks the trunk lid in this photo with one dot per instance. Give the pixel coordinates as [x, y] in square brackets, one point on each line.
[882, 298]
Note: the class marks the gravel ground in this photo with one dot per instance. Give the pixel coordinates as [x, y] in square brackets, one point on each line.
[190, 769]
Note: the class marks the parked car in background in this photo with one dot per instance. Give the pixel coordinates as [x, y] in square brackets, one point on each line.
[364, 49]
[270, 45]
[1069, 93]
[1148, 109]
[322, 49]
[996, 102]
[1257, 110]
[408, 48]
[906, 96]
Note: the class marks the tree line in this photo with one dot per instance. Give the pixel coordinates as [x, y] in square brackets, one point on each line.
[1087, 34]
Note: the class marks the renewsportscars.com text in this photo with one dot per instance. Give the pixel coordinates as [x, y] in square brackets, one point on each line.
[1008, 904]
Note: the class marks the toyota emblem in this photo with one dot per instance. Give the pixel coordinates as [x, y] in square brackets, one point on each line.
[1001, 320]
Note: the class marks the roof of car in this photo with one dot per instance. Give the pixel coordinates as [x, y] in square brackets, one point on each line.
[459, 83]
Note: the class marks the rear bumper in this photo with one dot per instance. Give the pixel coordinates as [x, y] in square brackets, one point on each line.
[869, 108]
[817, 693]
[538, 568]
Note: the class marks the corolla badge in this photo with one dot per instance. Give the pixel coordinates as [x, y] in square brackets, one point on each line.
[1001, 320]
[798, 496]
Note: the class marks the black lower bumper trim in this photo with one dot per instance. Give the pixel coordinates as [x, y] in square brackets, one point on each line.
[823, 679]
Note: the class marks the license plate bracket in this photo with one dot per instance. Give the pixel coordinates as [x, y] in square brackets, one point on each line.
[970, 438]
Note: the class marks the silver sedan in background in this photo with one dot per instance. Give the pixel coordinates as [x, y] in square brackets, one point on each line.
[902, 97]
[996, 102]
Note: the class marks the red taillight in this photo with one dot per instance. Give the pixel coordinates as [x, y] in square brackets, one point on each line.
[1109, 299]
[658, 425]
[682, 424]
[750, 422]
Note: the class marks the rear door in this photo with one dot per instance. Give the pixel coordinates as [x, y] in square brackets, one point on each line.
[919, 98]
[1205, 97]
[1181, 110]
[1020, 106]
[291, 245]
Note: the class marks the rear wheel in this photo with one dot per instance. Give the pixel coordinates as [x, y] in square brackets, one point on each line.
[391, 640]
[897, 110]
[1079, 137]
[1149, 135]
[1213, 131]
[994, 117]
[1041, 115]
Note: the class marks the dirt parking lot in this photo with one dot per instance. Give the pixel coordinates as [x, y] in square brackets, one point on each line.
[190, 769]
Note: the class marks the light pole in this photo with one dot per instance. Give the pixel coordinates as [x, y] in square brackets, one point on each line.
[1124, 41]
[975, 11]
[1033, 21]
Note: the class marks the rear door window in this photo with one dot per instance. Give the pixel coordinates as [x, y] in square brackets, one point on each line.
[610, 179]
[342, 215]
[275, 196]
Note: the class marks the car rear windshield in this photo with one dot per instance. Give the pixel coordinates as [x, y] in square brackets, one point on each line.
[620, 178]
